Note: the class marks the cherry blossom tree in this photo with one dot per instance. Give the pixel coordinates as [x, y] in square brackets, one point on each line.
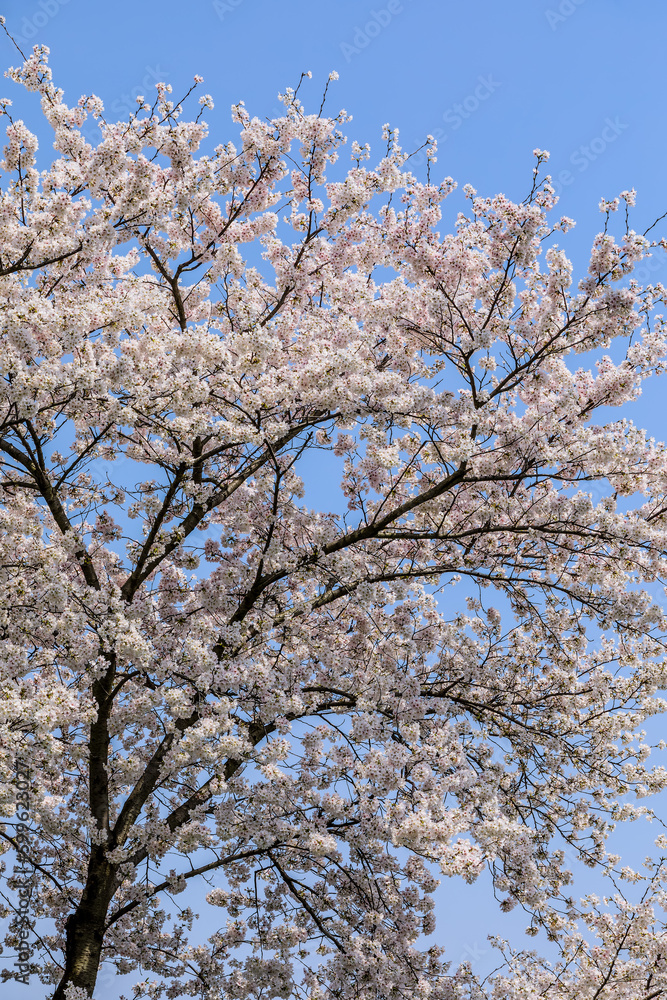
[303, 719]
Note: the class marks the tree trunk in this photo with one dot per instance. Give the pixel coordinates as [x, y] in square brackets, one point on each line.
[85, 927]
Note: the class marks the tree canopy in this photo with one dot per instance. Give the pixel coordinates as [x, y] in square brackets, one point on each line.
[315, 715]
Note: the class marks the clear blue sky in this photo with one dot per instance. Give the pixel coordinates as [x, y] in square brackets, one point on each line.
[582, 78]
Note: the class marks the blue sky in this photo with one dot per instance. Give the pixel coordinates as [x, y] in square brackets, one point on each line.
[582, 78]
